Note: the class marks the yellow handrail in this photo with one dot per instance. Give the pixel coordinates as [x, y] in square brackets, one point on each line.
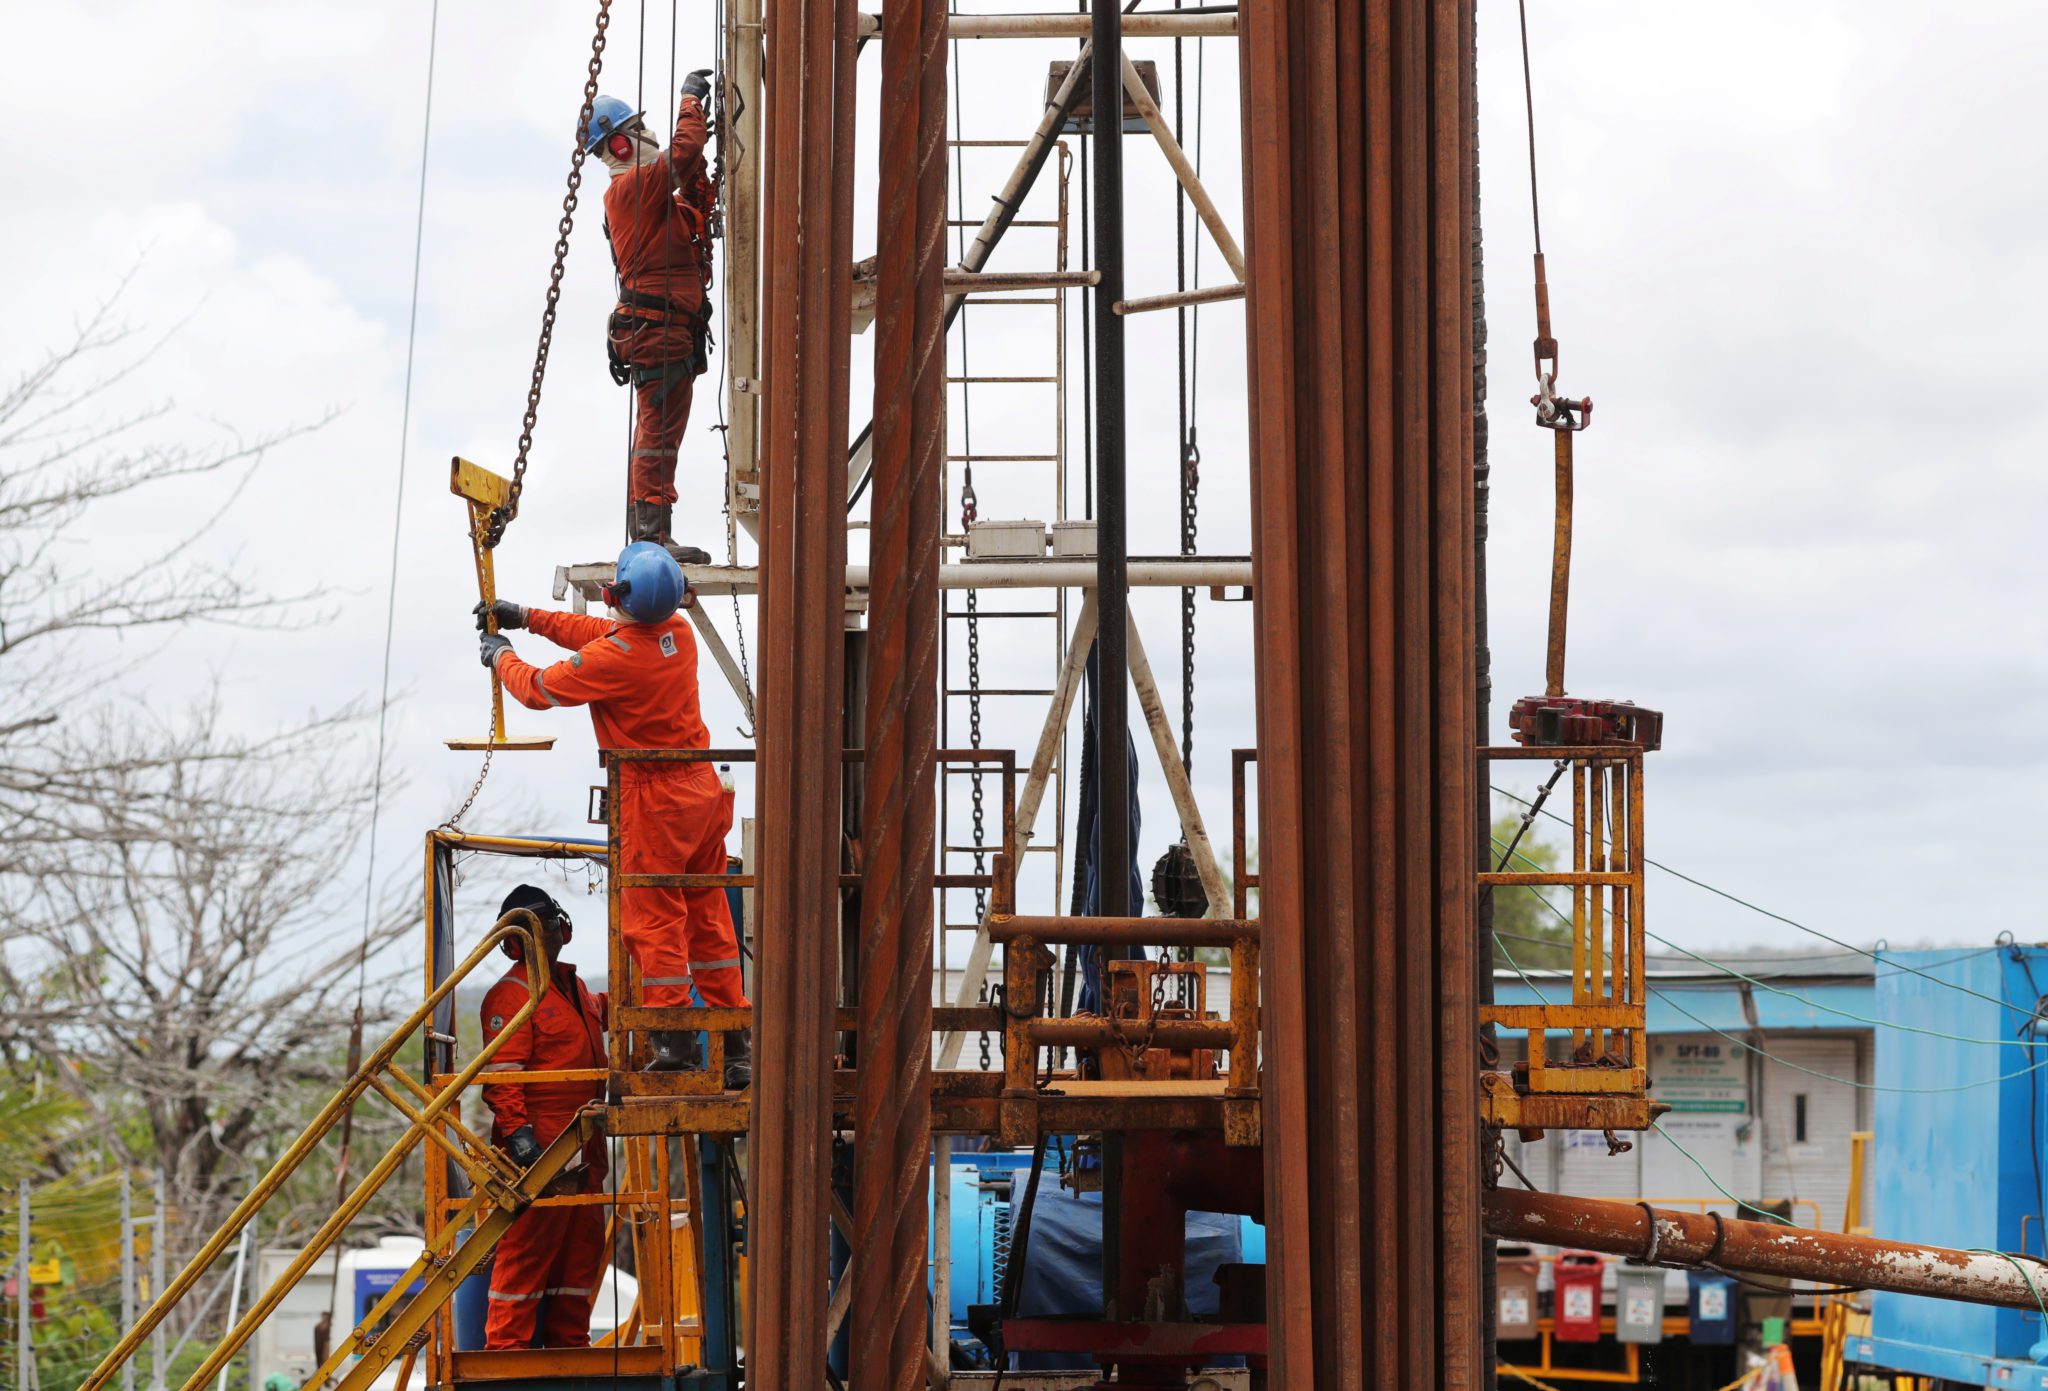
[487, 1172]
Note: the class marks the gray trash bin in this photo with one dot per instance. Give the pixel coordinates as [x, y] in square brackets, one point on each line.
[1638, 1304]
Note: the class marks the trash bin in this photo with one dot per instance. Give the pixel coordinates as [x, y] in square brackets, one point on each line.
[1515, 1275]
[1638, 1304]
[1576, 1308]
[1710, 1302]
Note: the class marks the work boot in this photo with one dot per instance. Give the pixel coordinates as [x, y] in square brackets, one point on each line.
[675, 1050]
[739, 1061]
[649, 521]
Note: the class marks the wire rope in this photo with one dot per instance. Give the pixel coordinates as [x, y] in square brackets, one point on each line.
[1789, 922]
[419, 234]
[1529, 113]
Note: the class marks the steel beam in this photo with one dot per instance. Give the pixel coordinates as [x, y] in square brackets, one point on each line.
[807, 236]
[892, 1095]
[1359, 357]
[739, 149]
[1112, 850]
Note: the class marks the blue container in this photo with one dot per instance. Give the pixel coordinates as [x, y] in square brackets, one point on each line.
[1710, 1303]
[472, 1304]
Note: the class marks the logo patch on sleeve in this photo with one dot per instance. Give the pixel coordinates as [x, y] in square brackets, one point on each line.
[497, 1022]
[668, 644]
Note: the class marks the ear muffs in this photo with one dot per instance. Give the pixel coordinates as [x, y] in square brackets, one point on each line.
[620, 145]
[551, 914]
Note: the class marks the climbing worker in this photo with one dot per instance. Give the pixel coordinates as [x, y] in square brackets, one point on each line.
[550, 1260]
[658, 218]
[639, 678]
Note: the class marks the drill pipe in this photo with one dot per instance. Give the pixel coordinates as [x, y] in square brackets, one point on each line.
[1758, 1248]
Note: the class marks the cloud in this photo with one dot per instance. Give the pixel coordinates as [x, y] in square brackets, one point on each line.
[1793, 256]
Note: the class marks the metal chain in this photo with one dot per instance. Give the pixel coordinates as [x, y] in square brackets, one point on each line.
[501, 517]
[1190, 485]
[976, 789]
[454, 822]
[984, 1033]
[489, 589]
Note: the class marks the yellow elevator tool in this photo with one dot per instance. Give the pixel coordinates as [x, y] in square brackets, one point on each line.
[483, 491]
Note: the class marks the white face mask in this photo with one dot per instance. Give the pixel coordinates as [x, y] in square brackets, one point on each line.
[645, 151]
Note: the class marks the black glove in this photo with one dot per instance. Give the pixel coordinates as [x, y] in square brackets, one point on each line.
[522, 1146]
[495, 645]
[508, 614]
[698, 84]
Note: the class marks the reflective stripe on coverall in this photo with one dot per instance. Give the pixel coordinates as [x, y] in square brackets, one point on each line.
[640, 682]
[552, 1257]
[656, 215]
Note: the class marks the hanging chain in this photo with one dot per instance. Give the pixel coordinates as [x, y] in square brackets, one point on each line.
[984, 1033]
[486, 583]
[501, 517]
[454, 822]
[1190, 484]
[974, 782]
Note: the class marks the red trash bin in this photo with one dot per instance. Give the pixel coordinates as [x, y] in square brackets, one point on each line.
[1576, 1306]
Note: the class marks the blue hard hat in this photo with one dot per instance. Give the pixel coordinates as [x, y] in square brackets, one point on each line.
[607, 114]
[647, 585]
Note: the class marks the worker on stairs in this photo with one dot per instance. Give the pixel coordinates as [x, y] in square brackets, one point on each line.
[658, 213]
[639, 677]
[549, 1261]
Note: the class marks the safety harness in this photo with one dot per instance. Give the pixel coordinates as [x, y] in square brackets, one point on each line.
[623, 325]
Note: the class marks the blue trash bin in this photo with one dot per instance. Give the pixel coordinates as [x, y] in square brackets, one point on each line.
[1710, 1303]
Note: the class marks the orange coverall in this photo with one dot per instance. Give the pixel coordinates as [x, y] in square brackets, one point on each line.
[657, 216]
[552, 1257]
[640, 682]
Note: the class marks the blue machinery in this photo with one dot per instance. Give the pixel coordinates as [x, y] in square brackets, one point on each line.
[1964, 1161]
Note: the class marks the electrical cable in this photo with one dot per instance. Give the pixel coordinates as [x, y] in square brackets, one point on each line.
[1783, 1221]
[1020, 1247]
[412, 323]
[1773, 961]
[1789, 922]
[2033, 1088]
[419, 234]
[1741, 1278]
[1846, 1081]
[2014, 1261]
[1808, 1001]
[1541, 998]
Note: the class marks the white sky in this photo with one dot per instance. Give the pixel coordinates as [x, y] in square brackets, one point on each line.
[1796, 256]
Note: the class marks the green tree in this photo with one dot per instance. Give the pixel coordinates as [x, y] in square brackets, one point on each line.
[1531, 927]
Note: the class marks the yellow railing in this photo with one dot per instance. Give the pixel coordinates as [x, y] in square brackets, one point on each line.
[430, 1115]
[1601, 1081]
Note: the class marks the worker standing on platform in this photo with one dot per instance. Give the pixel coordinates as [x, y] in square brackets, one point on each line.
[639, 678]
[550, 1260]
[658, 217]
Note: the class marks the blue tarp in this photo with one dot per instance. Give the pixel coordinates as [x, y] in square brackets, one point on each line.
[1063, 1262]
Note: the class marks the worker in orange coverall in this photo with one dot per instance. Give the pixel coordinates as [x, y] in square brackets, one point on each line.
[639, 678]
[548, 1265]
[659, 211]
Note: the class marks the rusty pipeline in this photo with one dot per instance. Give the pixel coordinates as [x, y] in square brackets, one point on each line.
[1659, 1236]
[1123, 932]
[1084, 1032]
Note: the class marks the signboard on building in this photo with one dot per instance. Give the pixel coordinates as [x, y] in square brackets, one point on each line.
[1699, 1074]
